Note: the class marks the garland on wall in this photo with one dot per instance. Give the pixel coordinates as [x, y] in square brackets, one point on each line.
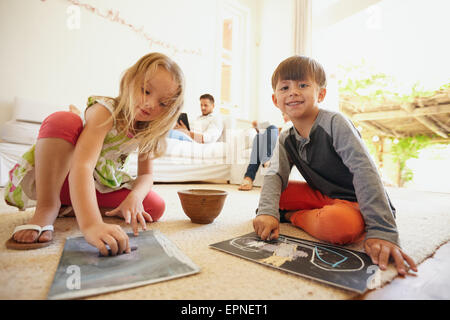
[114, 16]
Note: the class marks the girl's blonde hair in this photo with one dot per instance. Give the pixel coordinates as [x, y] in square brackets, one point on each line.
[150, 135]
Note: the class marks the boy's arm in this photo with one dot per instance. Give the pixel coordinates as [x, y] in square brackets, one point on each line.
[275, 181]
[370, 193]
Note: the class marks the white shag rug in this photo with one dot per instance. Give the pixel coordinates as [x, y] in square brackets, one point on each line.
[423, 220]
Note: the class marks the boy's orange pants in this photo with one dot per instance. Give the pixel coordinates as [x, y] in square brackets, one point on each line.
[332, 220]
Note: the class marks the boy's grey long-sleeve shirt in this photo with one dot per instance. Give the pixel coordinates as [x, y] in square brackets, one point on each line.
[335, 161]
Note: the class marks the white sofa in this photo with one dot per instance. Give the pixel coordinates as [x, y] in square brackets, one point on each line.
[183, 161]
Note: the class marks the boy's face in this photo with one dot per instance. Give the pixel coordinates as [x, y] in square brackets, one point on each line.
[298, 98]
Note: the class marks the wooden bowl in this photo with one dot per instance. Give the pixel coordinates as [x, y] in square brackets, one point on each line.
[202, 205]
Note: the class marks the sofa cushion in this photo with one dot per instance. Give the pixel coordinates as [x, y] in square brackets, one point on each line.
[32, 110]
[19, 132]
[229, 123]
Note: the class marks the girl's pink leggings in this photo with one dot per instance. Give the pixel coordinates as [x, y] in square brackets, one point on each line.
[68, 126]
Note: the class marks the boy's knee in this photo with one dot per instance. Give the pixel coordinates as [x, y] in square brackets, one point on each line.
[341, 225]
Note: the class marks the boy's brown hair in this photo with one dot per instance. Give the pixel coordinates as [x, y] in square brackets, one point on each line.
[300, 68]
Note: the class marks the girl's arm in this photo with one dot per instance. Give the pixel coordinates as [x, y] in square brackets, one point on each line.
[132, 209]
[82, 187]
[144, 181]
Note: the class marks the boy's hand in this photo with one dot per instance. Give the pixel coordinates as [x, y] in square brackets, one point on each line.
[266, 227]
[132, 211]
[380, 250]
[102, 234]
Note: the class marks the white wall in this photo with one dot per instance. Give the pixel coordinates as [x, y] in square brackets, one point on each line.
[42, 59]
[275, 45]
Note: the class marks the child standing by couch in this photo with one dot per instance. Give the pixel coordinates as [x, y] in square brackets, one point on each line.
[343, 195]
[84, 166]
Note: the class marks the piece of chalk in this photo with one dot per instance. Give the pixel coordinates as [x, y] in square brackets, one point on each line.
[132, 248]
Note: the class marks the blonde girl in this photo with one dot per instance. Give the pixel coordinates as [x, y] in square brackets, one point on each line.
[83, 166]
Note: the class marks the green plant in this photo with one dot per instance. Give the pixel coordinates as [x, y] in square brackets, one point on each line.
[407, 148]
[361, 82]
[366, 86]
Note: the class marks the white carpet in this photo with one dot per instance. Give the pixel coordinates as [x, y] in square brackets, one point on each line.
[423, 220]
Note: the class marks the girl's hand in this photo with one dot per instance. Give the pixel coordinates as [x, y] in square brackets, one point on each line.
[266, 227]
[380, 250]
[102, 234]
[132, 211]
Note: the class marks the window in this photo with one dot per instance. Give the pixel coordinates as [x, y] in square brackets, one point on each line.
[389, 56]
[385, 37]
[232, 80]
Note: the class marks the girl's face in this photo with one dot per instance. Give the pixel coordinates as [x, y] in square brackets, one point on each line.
[155, 96]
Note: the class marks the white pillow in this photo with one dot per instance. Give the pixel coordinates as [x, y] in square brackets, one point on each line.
[19, 132]
[31, 110]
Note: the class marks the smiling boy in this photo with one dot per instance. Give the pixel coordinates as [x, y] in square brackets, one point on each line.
[343, 196]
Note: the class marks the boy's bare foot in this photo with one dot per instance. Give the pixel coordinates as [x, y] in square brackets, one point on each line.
[246, 185]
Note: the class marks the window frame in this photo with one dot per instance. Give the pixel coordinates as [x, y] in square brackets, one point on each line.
[239, 83]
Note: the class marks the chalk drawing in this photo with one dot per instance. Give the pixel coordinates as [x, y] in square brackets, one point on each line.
[325, 257]
[327, 263]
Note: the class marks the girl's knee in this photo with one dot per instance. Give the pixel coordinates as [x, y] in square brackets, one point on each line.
[154, 205]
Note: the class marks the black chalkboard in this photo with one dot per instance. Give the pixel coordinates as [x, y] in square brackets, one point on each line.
[82, 272]
[330, 264]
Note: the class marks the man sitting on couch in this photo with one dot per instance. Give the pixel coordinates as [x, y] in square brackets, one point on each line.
[207, 128]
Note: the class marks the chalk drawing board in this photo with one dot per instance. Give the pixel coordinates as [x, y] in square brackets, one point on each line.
[82, 272]
[333, 265]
